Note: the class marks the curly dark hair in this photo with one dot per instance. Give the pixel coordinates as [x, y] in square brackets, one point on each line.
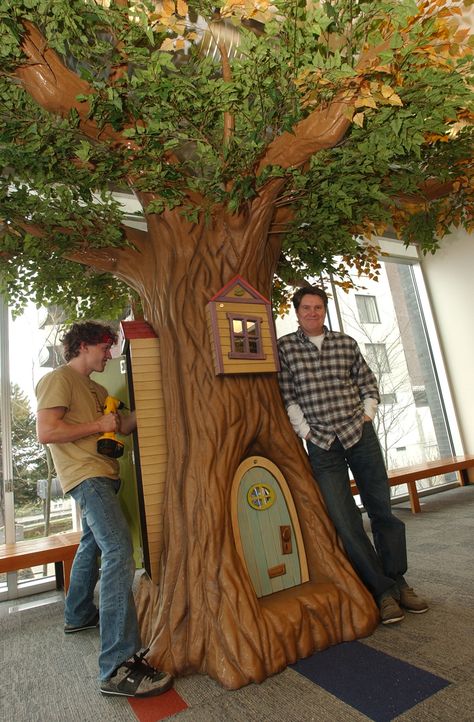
[86, 332]
[312, 291]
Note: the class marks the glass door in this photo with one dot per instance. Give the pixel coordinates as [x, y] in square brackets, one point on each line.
[32, 504]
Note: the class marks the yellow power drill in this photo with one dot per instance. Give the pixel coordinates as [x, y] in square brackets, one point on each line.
[108, 444]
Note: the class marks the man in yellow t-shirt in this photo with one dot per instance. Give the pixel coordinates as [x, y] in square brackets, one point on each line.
[70, 420]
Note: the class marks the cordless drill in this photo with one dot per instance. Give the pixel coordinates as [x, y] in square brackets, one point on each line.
[108, 444]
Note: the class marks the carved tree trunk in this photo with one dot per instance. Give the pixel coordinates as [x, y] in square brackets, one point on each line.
[204, 615]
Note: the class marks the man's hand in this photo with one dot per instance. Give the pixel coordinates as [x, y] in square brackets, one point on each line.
[109, 422]
[127, 423]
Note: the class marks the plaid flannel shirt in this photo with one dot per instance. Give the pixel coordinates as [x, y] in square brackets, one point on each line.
[329, 386]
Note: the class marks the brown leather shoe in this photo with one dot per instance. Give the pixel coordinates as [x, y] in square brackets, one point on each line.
[390, 612]
[410, 601]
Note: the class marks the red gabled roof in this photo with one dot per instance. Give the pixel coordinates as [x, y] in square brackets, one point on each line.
[137, 329]
[239, 280]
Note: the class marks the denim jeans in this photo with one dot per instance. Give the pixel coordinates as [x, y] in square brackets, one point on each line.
[105, 532]
[381, 569]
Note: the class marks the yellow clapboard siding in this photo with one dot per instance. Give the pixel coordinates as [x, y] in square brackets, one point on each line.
[148, 392]
[243, 309]
[151, 421]
[147, 380]
[144, 427]
[154, 491]
[147, 376]
[154, 495]
[152, 433]
[152, 439]
[154, 515]
[248, 368]
[146, 383]
[151, 444]
[154, 520]
[147, 403]
[154, 464]
[150, 415]
[144, 342]
[150, 461]
[149, 437]
[156, 457]
[147, 430]
[145, 354]
[154, 532]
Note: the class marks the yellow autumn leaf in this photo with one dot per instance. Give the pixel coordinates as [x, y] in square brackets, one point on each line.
[386, 91]
[358, 119]
[179, 44]
[167, 44]
[168, 8]
[365, 103]
[182, 8]
[395, 100]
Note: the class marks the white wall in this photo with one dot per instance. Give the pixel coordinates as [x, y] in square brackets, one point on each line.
[449, 277]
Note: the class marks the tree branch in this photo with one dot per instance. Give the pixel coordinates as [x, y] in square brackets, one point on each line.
[56, 88]
[102, 259]
[323, 128]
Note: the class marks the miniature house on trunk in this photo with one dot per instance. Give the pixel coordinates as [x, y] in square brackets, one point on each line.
[242, 330]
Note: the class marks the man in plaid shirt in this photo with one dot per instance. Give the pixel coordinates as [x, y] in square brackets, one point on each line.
[331, 397]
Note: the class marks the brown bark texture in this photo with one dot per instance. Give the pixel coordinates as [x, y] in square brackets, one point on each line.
[204, 615]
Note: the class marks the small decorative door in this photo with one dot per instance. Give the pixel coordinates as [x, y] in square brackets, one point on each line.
[266, 527]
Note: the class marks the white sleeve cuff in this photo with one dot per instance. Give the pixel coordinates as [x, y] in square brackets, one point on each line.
[370, 407]
[298, 421]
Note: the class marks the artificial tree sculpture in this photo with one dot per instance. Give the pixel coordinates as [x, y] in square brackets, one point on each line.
[265, 140]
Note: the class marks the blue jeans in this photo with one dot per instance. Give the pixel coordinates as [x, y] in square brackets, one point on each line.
[104, 531]
[381, 569]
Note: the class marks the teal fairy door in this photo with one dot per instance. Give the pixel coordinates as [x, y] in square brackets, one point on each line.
[266, 527]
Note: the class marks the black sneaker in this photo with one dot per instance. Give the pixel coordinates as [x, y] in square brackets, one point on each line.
[91, 624]
[136, 678]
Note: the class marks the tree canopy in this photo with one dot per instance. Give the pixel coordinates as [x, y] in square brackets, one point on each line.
[195, 105]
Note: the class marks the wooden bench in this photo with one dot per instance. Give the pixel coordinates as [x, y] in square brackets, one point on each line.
[44, 550]
[409, 475]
